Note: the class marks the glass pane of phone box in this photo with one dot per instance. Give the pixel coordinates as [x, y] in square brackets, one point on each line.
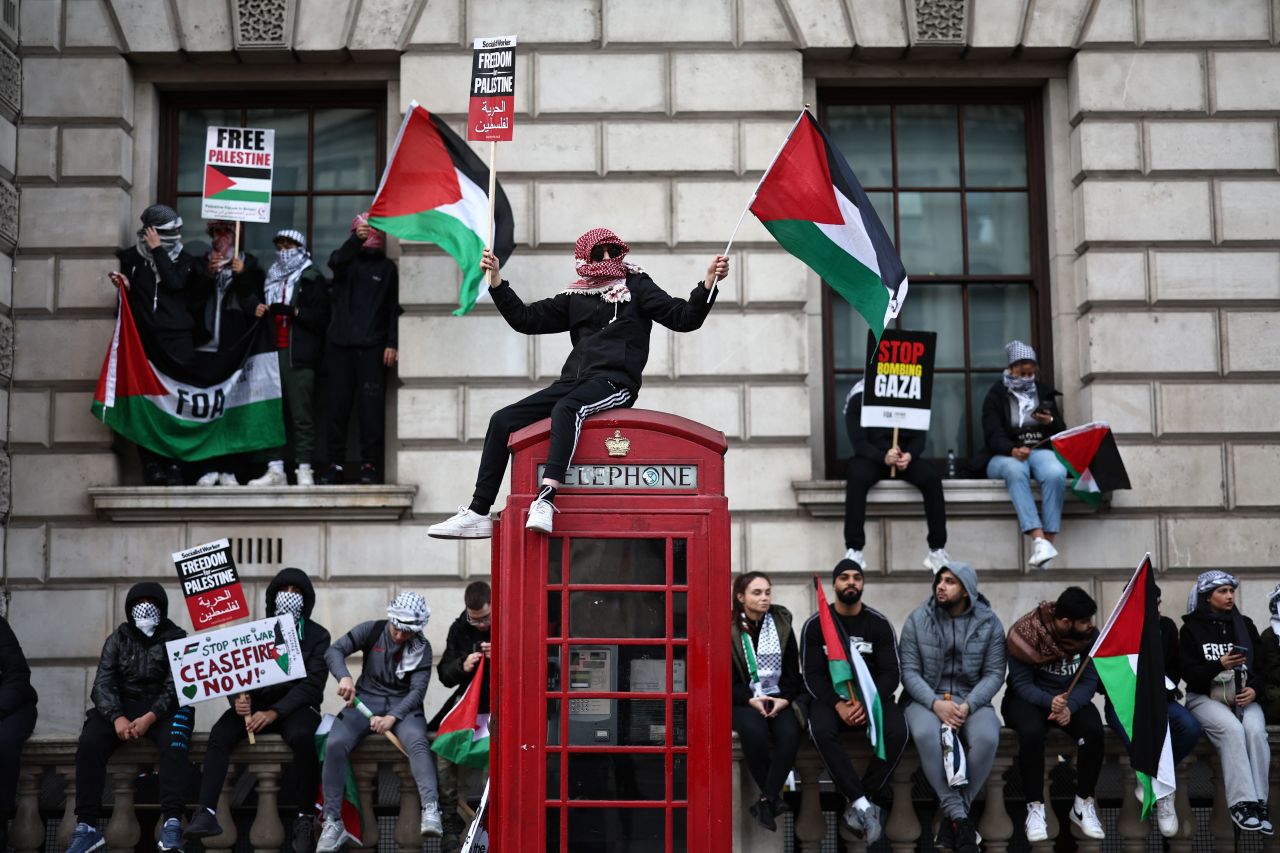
[629, 561]
[612, 830]
[621, 669]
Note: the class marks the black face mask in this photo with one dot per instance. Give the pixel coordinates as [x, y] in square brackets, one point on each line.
[849, 595]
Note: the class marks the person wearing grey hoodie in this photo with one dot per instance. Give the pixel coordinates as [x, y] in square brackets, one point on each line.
[952, 654]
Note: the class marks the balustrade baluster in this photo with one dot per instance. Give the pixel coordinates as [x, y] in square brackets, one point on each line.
[267, 832]
[123, 832]
[27, 833]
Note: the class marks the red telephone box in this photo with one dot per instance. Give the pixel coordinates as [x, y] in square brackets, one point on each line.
[611, 679]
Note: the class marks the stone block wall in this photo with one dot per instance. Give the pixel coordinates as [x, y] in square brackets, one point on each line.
[10, 111]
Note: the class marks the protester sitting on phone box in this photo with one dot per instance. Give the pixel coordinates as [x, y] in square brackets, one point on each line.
[766, 683]
[1019, 414]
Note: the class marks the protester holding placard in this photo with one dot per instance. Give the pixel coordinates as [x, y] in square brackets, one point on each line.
[17, 719]
[289, 709]
[362, 342]
[133, 697]
[1019, 415]
[158, 276]
[395, 672]
[875, 456]
[296, 297]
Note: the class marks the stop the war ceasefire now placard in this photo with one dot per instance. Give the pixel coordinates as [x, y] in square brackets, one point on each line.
[235, 660]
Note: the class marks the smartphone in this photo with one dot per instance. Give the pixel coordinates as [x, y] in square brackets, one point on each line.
[1043, 410]
[1240, 650]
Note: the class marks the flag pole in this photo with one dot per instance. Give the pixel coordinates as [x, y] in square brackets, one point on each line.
[493, 190]
[760, 182]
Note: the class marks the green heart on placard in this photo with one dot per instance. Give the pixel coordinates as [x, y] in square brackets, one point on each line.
[190, 691]
[283, 661]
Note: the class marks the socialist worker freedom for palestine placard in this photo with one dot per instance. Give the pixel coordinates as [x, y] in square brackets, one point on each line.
[210, 584]
[897, 390]
[491, 113]
[237, 173]
[235, 660]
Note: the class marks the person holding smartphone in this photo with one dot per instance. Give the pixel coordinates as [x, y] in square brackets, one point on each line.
[766, 682]
[1019, 415]
[1222, 662]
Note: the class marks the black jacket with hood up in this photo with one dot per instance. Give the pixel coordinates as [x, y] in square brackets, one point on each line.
[308, 692]
[365, 298]
[162, 296]
[134, 668]
[610, 339]
[15, 675]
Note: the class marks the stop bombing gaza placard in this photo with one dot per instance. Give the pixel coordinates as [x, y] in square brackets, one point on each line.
[235, 660]
[898, 388]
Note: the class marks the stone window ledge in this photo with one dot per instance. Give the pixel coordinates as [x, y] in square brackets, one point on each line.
[250, 503]
[825, 499]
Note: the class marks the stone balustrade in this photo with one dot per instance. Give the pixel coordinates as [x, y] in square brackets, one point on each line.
[1198, 778]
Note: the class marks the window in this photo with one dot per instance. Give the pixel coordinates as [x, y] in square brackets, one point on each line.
[956, 179]
[330, 150]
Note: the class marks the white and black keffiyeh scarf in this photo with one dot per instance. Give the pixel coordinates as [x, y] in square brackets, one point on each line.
[287, 269]
[290, 604]
[768, 658]
[409, 612]
[146, 617]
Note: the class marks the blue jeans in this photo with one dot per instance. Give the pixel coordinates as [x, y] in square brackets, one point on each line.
[1044, 467]
[1184, 729]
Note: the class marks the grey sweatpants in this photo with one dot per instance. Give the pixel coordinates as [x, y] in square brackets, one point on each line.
[981, 737]
[1242, 746]
[350, 728]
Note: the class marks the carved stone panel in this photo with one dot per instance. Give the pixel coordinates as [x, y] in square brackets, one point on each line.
[10, 82]
[8, 216]
[939, 21]
[263, 23]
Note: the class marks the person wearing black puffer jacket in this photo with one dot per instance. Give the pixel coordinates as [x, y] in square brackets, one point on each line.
[17, 719]
[290, 709]
[133, 697]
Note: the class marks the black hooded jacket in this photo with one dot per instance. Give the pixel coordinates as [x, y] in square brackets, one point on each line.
[365, 297]
[307, 692]
[610, 340]
[464, 638]
[134, 668]
[15, 676]
[1205, 637]
[238, 302]
[1001, 436]
[162, 295]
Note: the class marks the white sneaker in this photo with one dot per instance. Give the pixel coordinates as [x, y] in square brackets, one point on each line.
[1037, 829]
[937, 560]
[207, 480]
[856, 555]
[1167, 816]
[275, 476]
[304, 475]
[1041, 553]
[331, 836]
[431, 826]
[540, 514]
[1084, 814]
[464, 524]
[225, 479]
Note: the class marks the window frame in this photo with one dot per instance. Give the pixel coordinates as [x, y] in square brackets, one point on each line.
[309, 99]
[1037, 277]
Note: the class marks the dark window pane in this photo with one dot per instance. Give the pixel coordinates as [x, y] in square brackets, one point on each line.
[621, 722]
[194, 238]
[617, 614]
[947, 418]
[289, 171]
[679, 831]
[553, 720]
[928, 146]
[193, 126]
[346, 150]
[930, 242]
[998, 313]
[553, 830]
[629, 561]
[553, 614]
[617, 830]
[938, 308]
[979, 385]
[680, 722]
[331, 217]
[995, 143]
[555, 551]
[553, 775]
[863, 136]
[287, 211]
[679, 615]
[883, 204]
[849, 334]
[679, 777]
[679, 561]
[617, 776]
[998, 233]
[844, 449]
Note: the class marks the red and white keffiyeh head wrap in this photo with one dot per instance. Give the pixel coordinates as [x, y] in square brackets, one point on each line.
[375, 241]
[606, 278]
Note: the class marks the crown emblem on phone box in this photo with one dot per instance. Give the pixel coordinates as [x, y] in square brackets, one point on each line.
[617, 444]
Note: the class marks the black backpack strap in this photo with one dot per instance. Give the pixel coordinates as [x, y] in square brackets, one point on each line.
[374, 636]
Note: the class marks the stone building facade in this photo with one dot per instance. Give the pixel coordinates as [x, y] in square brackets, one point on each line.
[1154, 157]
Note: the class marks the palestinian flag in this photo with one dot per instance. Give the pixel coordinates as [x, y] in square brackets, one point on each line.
[812, 204]
[1091, 455]
[842, 672]
[435, 190]
[228, 403]
[352, 820]
[237, 183]
[463, 736]
[1129, 658]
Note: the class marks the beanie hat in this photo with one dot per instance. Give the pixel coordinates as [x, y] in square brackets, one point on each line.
[1018, 351]
[845, 565]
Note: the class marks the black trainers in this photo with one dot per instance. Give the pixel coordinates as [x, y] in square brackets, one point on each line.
[1264, 818]
[173, 475]
[202, 825]
[1243, 815]
[369, 474]
[946, 837]
[331, 475]
[966, 836]
[153, 474]
[304, 834]
[762, 811]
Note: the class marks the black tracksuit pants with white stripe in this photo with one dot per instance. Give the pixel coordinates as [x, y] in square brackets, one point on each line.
[568, 402]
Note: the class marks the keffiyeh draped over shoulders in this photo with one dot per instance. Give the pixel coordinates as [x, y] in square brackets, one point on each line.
[409, 612]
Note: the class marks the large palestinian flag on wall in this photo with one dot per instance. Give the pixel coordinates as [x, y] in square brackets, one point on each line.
[436, 190]
[1129, 658]
[813, 205]
[228, 403]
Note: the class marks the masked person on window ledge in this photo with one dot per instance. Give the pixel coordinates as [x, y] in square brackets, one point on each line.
[227, 289]
[1019, 415]
[158, 277]
[1223, 659]
[296, 297]
[393, 682]
[609, 312]
[361, 343]
[17, 720]
[874, 456]
[467, 644]
[766, 684]
[133, 697]
[289, 709]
